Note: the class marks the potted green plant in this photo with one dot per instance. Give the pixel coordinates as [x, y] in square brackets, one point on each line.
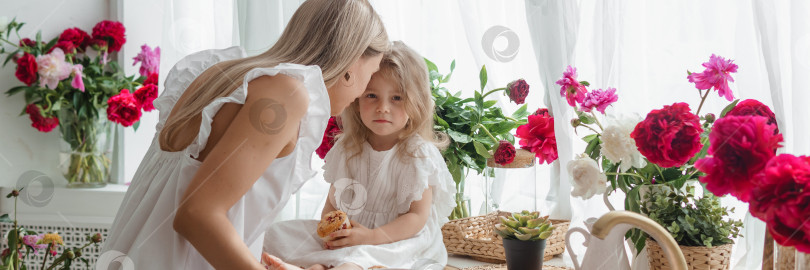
[475, 127]
[699, 225]
[524, 239]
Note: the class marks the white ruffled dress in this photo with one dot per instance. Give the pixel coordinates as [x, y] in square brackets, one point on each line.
[374, 188]
[142, 235]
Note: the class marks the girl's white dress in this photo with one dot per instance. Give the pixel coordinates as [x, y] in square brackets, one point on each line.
[142, 236]
[374, 188]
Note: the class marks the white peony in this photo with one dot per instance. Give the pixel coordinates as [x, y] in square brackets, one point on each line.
[617, 146]
[588, 179]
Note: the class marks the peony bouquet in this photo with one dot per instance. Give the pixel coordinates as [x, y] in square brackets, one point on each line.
[672, 145]
[71, 83]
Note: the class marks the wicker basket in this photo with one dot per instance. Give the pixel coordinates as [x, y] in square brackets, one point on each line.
[475, 237]
[714, 258]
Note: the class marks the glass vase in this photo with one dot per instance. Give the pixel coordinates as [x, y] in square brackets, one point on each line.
[85, 148]
[511, 187]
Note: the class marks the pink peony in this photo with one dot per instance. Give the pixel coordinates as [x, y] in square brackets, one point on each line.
[670, 136]
[782, 199]
[517, 91]
[53, 68]
[123, 108]
[754, 107]
[739, 147]
[77, 81]
[599, 99]
[112, 32]
[149, 59]
[145, 95]
[717, 75]
[27, 69]
[570, 88]
[538, 137]
[542, 112]
[77, 37]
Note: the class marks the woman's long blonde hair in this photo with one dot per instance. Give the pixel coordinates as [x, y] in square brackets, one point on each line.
[406, 68]
[331, 34]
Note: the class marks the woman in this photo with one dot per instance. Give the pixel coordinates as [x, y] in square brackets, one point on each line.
[235, 138]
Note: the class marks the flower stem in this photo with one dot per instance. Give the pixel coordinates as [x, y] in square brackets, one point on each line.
[597, 120]
[9, 42]
[628, 174]
[660, 173]
[487, 131]
[702, 99]
[493, 91]
[45, 258]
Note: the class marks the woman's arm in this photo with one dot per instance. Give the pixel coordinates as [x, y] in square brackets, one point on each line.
[264, 125]
[403, 227]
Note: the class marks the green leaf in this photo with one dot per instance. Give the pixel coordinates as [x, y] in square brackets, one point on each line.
[482, 76]
[501, 128]
[459, 137]
[590, 138]
[481, 149]
[489, 103]
[728, 108]
[452, 66]
[8, 58]
[431, 66]
[5, 218]
[440, 121]
[585, 83]
[136, 125]
[15, 90]
[520, 112]
[592, 145]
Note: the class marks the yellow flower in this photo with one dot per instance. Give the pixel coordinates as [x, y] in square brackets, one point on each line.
[52, 238]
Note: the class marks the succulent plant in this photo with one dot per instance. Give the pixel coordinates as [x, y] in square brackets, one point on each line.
[524, 226]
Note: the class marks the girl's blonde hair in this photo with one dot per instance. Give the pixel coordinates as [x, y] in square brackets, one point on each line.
[408, 70]
[331, 34]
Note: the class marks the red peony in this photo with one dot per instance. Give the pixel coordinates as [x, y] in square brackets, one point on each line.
[27, 42]
[145, 95]
[782, 200]
[41, 123]
[66, 47]
[518, 91]
[151, 79]
[538, 137]
[112, 32]
[332, 130]
[754, 107]
[505, 153]
[79, 38]
[123, 108]
[542, 112]
[670, 136]
[27, 69]
[739, 147]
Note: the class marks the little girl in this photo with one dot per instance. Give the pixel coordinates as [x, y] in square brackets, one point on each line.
[386, 173]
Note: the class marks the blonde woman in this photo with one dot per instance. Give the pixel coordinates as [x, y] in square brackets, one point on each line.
[386, 173]
[235, 138]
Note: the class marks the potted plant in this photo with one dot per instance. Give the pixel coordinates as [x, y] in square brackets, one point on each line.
[475, 126]
[524, 239]
[699, 225]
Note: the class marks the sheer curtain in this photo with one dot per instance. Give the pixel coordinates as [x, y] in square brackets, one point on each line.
[644, 48]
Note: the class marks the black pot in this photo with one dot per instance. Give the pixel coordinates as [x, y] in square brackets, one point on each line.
[524, 255]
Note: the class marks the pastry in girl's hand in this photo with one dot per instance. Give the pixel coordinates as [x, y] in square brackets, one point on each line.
[332, 222]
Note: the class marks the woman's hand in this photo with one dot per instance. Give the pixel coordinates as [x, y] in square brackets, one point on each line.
[357, 235]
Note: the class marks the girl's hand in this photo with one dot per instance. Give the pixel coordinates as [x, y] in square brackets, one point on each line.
[357, 235]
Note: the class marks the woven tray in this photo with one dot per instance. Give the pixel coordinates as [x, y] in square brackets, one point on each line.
[475, 237]
[503, 267]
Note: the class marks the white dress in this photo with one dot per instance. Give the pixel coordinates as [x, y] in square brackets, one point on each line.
[142, 230]
[374, 188]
